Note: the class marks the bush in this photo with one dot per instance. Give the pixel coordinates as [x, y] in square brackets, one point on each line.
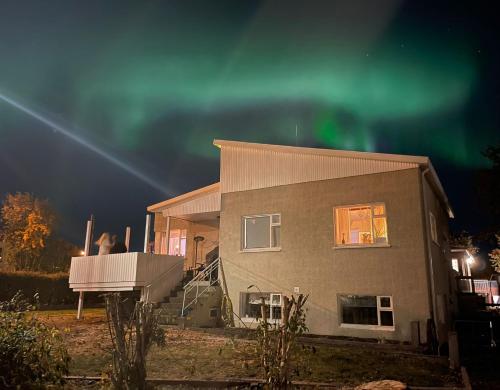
[52, 289]
[31, 353]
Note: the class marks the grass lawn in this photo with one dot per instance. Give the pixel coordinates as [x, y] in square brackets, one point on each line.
[202, 355]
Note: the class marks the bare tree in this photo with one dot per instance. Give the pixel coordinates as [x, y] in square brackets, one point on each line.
[131, 336]
[277, 341]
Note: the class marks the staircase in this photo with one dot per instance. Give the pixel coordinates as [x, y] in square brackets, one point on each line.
[169, 310]
[196, 300]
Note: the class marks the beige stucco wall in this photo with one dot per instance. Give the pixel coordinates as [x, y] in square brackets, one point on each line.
[440, 260]
[309, 261]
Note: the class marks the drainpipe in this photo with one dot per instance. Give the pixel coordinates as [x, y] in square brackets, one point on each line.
[429, 251]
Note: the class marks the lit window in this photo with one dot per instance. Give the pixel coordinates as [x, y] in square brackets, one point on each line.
[177, 242]
[251, 306]
[367, 310]
[361, 225]
[432, 222]
[454, 265]
[261, 231]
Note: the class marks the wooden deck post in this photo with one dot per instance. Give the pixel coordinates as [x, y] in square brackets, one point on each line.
[88, 245]
[146, 233]
[80, 306]
[167, 244]
[127, 238]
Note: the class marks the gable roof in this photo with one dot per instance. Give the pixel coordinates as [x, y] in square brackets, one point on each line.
[324, 152]
[247, 165]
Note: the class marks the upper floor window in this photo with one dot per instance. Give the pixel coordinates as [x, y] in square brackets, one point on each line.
[261, 232]
[361, 225]
[432, 222]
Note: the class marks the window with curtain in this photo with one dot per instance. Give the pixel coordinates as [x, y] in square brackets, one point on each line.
[360, 225]
[177, 242]
[250, 308]
[260, 232]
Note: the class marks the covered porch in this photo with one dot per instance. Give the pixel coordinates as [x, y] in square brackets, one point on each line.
[188, 226]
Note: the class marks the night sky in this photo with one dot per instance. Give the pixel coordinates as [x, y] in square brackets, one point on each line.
[107, 107]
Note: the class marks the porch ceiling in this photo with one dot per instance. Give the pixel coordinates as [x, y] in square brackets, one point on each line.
[209, 217]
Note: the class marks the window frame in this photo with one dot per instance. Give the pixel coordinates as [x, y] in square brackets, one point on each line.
[182, 237]
[271, 305]
[380, 309]
[272, 224]
[372, 206]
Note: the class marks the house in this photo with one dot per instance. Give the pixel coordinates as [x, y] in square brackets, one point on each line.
[365, 235]
[461, 262]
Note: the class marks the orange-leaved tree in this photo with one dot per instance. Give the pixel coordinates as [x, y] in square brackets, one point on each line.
[26, 224]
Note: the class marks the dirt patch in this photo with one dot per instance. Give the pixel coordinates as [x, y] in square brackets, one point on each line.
[196, 354]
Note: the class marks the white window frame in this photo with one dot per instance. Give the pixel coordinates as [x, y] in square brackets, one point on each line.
[271, 225]
[372, 206]
[433, 228]
[271, 305]
[379, 310]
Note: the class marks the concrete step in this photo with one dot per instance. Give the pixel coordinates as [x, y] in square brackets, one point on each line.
[176, 299]
[171, 306]
[168, 319]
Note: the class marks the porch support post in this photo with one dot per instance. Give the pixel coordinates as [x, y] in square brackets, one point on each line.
[127, 238]
[88, 244]
[80, 306]
[146, 233]
[167, 244]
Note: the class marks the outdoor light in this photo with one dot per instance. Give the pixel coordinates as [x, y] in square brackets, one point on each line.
[82, 253]
[470, 260]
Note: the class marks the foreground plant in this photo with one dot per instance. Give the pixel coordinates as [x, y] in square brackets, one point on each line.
[132, 336]
[31, 353]
[277, 341]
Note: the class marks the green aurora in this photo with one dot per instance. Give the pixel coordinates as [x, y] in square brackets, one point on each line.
[162, 72]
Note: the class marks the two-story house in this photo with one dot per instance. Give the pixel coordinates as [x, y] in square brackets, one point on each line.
[363, 234]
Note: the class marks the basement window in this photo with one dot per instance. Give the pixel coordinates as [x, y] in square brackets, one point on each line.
[250, 307]
[261, 232]
[360, 225]
[366, 311]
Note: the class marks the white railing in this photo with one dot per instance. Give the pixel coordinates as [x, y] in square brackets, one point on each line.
[210, 275]
[125, 272]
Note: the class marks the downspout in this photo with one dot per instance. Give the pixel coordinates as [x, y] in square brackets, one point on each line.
[429, 251]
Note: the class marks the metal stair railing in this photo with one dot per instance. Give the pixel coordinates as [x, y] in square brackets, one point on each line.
[204, 276]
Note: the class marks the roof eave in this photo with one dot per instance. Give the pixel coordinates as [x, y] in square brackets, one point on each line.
[158, 207]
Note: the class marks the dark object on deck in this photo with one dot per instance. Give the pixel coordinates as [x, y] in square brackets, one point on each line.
[119, 247]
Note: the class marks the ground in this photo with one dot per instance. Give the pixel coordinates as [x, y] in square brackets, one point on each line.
[205, 354]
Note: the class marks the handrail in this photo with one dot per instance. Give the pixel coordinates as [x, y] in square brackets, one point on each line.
[201, 276]
[148, 286]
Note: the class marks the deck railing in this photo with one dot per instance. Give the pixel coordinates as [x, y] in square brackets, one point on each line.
[125, 272]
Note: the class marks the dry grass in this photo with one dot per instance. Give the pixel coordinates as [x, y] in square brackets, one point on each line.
[196, 354]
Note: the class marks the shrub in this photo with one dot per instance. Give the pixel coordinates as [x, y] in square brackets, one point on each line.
[31, 353]
[277, 341]
[52, 289]
[132, 335]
